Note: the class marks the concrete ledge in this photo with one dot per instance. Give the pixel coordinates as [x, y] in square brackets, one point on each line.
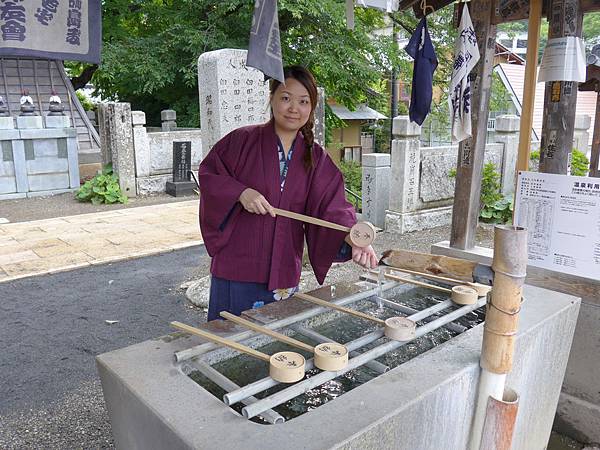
[424, 404]
[417, 220]
[13, 196]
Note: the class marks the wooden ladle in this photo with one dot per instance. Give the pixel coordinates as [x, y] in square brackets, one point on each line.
[362, 234]
[285, 367]
[461, 295]
[328, 355]
[481, 289]
[395, 328]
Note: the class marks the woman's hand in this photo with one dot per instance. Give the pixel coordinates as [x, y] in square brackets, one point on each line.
[254, 202]
[364, 256]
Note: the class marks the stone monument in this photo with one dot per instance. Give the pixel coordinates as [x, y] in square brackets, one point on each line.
[232, 95]
[182, 165]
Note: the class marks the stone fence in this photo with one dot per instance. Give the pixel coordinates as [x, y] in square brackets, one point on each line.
[411, 189]
[143, 158]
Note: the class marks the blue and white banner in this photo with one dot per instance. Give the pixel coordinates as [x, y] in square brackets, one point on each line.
[466, 55]
[52, 29]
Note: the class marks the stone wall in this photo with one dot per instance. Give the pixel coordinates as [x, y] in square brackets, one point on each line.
[418, 187]
[38, 156]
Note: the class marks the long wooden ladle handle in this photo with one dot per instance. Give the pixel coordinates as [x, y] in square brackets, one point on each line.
[309, 219]
[274, 334]
[219, 340]
[327, 304]
[429, 275]
[417, 283]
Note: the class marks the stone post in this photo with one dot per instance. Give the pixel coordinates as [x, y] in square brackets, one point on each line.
[105, 151]
[141, 145]
[117, 144]
[405, 159]
[168, 119]
[581, 135]
[232, 95]
[375, 187]
[507, 133]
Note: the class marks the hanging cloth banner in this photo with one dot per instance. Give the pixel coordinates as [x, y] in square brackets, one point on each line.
[51, 29]
[563, 60]
[421, 50]
[264, 50]
[466, 55]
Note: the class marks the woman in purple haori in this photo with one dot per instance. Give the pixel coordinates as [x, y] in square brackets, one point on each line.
[257, 256]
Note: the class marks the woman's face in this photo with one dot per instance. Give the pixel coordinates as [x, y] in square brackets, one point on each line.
[291, 105]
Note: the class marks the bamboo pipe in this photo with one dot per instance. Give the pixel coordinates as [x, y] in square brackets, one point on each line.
[285, 367]
[328, 355]
[362, 234]
[501, 322]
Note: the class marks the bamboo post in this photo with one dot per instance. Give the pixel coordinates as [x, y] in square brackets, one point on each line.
[533, 45]
[501, 322]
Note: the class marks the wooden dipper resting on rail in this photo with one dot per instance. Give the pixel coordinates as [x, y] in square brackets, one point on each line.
[328, 355]
[285, 367]
[395, 328]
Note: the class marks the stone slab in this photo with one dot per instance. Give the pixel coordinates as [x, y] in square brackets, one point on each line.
[73, 160]
[58, 121]
[153, 184]
[48, 133]
[49, 182]
[8, 185]
[180, 188]
[7, 123]
[138, 118]
[47, 165]
[153, 404]
[9, 135]
[24, 122]
[161, 149]
[14, 196]
[418, 220]
[402, 126]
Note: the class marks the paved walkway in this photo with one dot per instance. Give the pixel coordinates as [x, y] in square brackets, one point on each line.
[65, 243]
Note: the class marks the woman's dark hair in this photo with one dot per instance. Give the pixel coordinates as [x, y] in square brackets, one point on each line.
[303, 76]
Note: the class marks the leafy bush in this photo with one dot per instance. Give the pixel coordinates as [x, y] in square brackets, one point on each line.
[85, 101]
[579, 164]
[103, 188]
[494, 208]
[352, 172]
[500, 211]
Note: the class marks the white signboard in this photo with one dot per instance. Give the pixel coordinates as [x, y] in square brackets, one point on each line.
[562, 215]
[563, 60]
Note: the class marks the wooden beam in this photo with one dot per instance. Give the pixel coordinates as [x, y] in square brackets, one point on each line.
[560, 98]
[533, 45]
[465, 213]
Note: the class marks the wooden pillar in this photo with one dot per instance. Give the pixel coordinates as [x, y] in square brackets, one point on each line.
[470, 153]
[566, 19]
[533, 44]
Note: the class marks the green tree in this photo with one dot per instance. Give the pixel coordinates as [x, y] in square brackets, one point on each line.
[151, 48]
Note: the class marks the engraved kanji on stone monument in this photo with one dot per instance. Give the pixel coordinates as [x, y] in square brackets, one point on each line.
[182, 161]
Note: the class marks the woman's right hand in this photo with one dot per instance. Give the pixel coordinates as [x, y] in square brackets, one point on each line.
[254, 202]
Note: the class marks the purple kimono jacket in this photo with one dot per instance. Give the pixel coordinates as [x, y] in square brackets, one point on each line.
[262, 249]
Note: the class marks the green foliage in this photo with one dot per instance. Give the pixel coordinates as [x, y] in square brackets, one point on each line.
[534, 155]
[500, 99]
[352, 172]
[494, 207]
[579, 164]
[500, 211]
[87, 104]
[103, 188]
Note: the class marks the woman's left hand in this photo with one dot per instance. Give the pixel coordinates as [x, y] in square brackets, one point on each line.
[364, 256]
